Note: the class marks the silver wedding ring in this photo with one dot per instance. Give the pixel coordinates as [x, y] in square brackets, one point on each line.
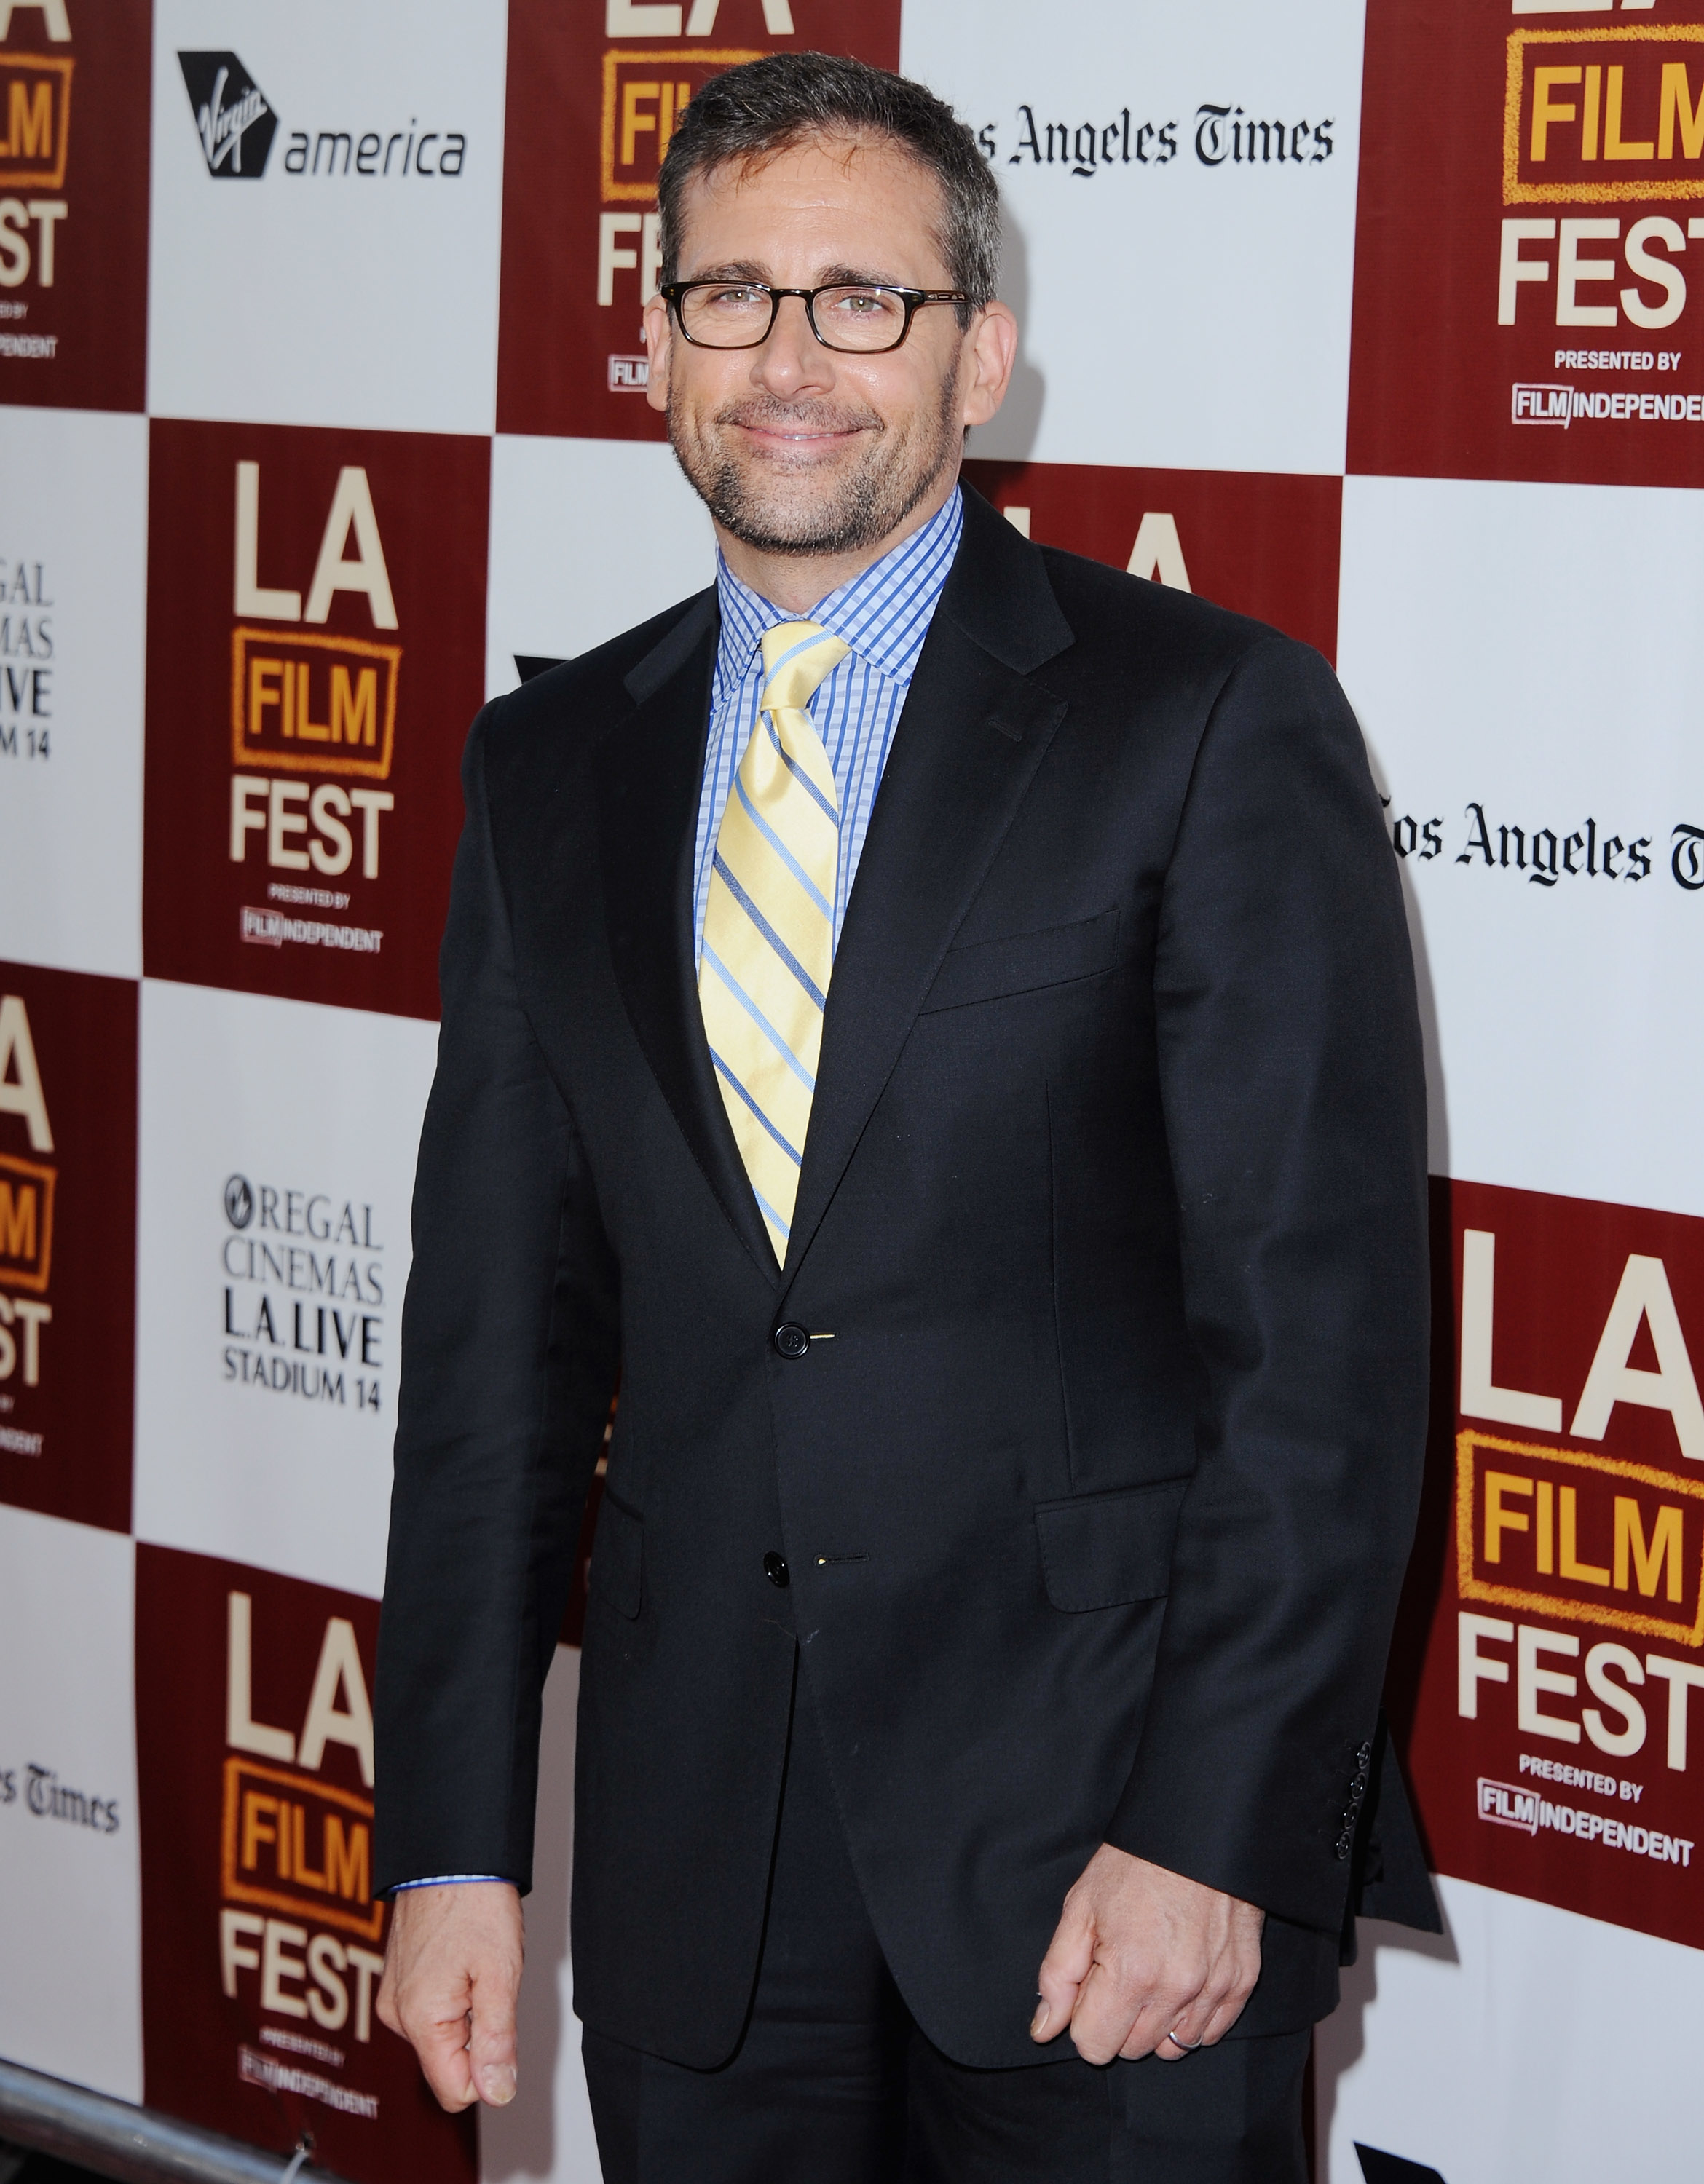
[1187, 2047]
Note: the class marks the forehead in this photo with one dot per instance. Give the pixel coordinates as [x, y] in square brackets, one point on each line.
[861, 202]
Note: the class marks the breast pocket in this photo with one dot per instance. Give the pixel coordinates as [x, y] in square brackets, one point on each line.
[1054, 955]
[1107, 1550]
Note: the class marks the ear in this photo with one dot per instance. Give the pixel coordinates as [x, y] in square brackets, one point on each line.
[659, 344]
[991, 353]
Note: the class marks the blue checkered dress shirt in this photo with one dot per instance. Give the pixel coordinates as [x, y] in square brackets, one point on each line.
[884, 616]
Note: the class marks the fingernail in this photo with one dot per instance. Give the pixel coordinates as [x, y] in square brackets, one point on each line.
[499, 2084]
[1039, 2022]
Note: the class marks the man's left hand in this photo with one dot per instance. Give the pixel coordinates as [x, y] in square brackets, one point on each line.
[1144, 1962]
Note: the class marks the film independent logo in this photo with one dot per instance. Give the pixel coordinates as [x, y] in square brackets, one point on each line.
[232, 119]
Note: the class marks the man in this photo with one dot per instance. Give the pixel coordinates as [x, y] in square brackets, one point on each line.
[936, 1015]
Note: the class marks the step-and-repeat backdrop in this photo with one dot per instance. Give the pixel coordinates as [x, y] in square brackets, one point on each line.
[1383, 320]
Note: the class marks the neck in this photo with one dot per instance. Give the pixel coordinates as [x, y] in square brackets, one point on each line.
[796, 581]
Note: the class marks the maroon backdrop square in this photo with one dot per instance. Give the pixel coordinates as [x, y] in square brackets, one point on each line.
[1261, 542]
[1438, 386]
[91, 163]
[277, 920]
[1557, 1266]
[67, 1243]
[210, 1821]
[585, 119]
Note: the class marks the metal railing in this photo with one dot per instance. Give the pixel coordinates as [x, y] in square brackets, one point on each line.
[133, 2145]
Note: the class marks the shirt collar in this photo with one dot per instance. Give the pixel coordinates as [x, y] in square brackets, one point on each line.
[883, 613]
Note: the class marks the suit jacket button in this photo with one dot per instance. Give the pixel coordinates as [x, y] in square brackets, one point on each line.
[792, 1339]
[775, 1570]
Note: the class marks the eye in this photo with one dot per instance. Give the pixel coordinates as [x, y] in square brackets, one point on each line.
[859, 302]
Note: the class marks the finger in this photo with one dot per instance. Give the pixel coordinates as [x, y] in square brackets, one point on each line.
[1070, 1955]
[388, 2014]
[1220, 2002]
[1224, 2013]
[1098, 2022]
[1204, 2021]
[1192, 2030]
[1193, 2026]
[441, 2046]
[491, 2049]
[1150, 2030]
[1113, 2011]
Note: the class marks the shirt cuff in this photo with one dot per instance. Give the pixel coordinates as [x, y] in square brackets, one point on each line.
[443, 1879]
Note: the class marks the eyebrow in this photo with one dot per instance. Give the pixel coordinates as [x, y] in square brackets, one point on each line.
[832, 277]
[860, 276]
[732, 269]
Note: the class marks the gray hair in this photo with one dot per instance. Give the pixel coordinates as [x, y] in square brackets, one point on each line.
[766, 106]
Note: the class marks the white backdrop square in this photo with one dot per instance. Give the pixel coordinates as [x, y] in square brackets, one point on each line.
[1530, 2047]
[353, 280]
[587, 537]
[276, 1165]
[1185, 297]
[1523, 658]
[73, 569]
[70, 1908]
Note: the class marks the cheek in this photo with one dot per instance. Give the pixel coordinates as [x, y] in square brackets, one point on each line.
[931, 380]
[705, 381]
[905, 399]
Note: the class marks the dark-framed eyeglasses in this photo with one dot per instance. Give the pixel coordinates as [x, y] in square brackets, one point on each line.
[860, 318]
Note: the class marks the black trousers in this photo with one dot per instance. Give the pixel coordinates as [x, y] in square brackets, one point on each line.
[833, 2084]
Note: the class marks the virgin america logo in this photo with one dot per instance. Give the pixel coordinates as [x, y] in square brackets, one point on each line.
[228, 107]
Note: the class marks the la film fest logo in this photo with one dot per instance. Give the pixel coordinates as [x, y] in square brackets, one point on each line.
[1580, 1574]
[297, 1922]
[313, 723]
[304, 1295]
[28, 1180]
[236, 125]
[1603, 155]
[35, 112]
[26, 660]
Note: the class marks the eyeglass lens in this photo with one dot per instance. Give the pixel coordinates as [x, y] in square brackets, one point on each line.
[737, 315]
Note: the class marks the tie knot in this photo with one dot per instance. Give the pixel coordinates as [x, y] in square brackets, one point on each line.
[797, 656]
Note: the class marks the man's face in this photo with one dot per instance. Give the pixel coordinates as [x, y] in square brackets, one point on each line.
[797, 448]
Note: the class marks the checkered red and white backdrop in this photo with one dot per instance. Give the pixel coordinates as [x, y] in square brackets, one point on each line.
[320, 355]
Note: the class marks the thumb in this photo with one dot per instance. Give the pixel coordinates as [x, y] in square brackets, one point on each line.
[1064, 1969]
[491, 2050]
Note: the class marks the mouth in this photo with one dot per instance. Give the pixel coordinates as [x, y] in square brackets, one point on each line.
[803, 439]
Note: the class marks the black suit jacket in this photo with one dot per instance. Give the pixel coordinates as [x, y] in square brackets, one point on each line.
[1096, 1504]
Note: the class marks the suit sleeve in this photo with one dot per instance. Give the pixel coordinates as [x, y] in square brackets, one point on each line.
[1294, 1102]
[510, 1350]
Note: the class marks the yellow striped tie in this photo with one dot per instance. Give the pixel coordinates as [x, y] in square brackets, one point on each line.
[768, 923]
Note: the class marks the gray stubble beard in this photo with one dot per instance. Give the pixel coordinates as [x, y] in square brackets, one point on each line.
[865, 507]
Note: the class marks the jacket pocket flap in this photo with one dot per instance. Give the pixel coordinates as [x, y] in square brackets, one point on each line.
[615, 1574]
[987, 969]
[1106, 1550]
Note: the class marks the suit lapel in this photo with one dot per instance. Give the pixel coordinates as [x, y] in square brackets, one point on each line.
[975, 728]
[648, 775]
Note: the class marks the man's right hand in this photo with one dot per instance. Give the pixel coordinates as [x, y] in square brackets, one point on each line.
[452, 1975]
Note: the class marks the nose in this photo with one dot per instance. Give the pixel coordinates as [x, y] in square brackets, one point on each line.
[792, 360]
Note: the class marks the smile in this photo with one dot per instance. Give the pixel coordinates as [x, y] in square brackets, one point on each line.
[770, 435]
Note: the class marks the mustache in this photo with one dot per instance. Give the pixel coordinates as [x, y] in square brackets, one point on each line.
[770, 414]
